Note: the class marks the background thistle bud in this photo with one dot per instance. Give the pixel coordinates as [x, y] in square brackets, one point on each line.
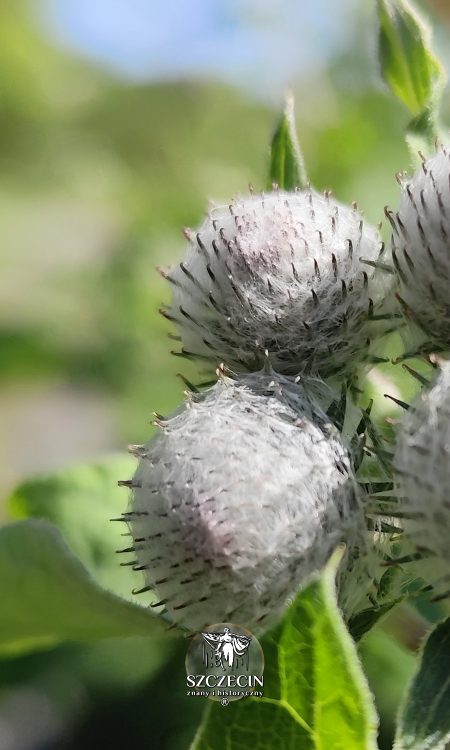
[422, 472]
[246, 492]
[421, 247]
[281, 273]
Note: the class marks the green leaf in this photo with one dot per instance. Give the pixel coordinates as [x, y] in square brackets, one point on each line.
[407, 64]
[364, 621]
[389, 667]
[48, 596]
[80, 501]
[286, 167]
[315, 694]
[424, 722]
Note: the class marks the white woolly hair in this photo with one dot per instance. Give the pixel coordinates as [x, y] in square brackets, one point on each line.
[422, 474]
[281, 273]
[421, 247]
[244, 494]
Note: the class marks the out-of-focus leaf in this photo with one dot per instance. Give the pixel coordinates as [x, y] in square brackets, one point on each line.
[48, 596]
[424, 722]
[80, 501]
[364, 621]
[315, 694]
[407, 64]
[286, 167]
[389, 667]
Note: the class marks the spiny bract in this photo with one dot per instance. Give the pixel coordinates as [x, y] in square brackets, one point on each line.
[361, 584]
[246, 492]
[281, 273]
[422, 472]
[421, 247]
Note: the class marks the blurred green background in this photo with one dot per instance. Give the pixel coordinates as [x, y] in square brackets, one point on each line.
[118, 122]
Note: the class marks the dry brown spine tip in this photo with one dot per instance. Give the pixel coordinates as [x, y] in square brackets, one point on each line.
[136, 450]
[130, 483]
[435, 359]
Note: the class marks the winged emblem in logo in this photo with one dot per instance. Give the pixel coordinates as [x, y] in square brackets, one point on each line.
[225, 649]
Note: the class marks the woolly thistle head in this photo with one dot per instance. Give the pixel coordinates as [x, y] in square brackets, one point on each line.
[281, 273]
[421, 248]
[246, 492]
[422, 474]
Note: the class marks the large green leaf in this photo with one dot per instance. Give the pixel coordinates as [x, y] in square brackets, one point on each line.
[286, 167]
[48, 596]
[80, 501]
[407, 63]
[315, 694]
[424, 722]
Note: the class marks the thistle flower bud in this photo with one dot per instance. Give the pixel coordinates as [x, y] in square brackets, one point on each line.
[421, 247]
[422, 472]
[281, 273]
[244, 494]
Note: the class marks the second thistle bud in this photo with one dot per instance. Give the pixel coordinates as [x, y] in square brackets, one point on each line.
[421, 248]
[422, 471]
[281, 273]
[244, 494]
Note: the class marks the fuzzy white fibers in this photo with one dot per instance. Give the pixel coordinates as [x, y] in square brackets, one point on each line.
[281, 273]
[422, 472]
[421, 247]
[244, 494]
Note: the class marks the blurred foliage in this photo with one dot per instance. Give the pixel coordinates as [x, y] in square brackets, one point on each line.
[48, 596]
[81, 502]
[131, 165]
[388, 667]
